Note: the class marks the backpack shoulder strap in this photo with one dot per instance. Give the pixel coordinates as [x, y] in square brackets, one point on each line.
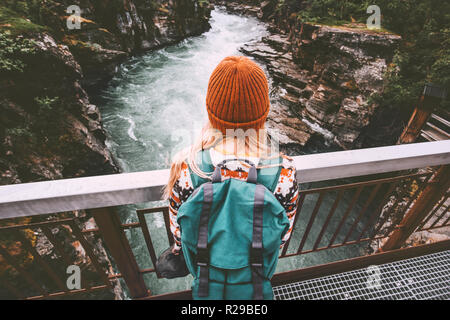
[269, 176]
[256, 251]
[203, 160]
[202, 257]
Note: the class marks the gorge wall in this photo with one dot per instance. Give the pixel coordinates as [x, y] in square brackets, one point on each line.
[327, 76]
[48, 128]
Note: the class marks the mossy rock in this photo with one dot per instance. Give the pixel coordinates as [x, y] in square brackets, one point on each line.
[15, 24]
[13, 49]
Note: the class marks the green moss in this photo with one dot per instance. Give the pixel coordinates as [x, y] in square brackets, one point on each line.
[16, 24]
[34, 10]
[346, 24]
[78, 46]
[45, 103]
[49, 111]
[335, 12]
[203, 3]
[19, 132]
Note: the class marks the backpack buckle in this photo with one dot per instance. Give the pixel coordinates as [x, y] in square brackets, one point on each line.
[256, 257]
[202, 256]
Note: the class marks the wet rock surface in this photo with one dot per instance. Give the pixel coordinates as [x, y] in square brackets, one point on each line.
[110, 31]
[325, 75]
[283, 124]
[49, 129]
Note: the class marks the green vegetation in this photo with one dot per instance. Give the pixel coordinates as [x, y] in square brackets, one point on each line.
[48, 113]
[16, 23]
[203, 3]
[424, 55]
[23, 132]
[45, 104]
[12, 51]
[44, 124]
[335, 12]
[34, 11]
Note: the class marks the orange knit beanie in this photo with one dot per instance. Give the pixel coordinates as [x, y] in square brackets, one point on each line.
[238, 95]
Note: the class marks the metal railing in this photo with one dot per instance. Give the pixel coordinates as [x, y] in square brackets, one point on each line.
[372, 208]
[380, 191]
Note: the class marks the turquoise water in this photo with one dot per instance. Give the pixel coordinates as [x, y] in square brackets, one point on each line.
[156, 103]
[155, 106]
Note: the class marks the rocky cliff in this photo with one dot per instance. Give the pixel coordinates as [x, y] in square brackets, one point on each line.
[326, 76]
[49, 129]
[111, 30]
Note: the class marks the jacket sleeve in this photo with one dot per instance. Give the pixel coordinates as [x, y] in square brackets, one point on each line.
[286, 192]
[181, 190]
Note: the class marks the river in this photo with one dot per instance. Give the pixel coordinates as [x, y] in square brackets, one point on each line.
[155, 105]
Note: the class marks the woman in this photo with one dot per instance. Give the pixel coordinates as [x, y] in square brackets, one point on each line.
[237, 103]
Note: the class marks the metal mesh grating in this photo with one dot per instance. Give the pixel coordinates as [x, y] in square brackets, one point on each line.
[424, 277]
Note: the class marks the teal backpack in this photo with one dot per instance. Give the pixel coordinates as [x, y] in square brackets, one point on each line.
[231, 231]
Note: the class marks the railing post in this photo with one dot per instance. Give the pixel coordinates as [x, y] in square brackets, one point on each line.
[430, 195]
[109, 224]
[431, 97]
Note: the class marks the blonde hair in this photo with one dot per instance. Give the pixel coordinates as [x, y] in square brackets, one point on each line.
[256, 142]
